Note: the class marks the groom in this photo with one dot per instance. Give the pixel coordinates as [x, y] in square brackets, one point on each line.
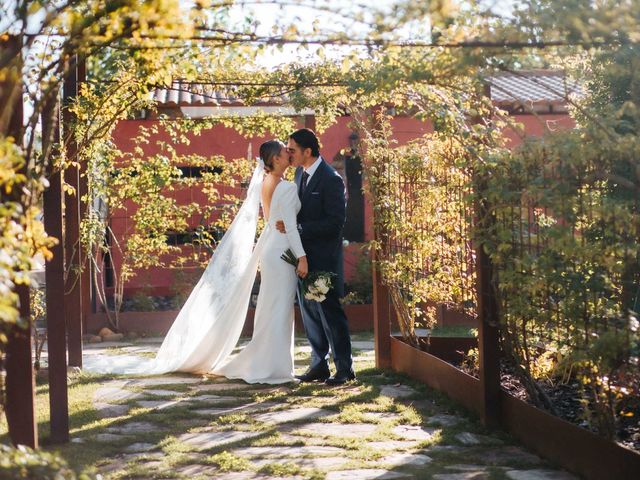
[320, 222]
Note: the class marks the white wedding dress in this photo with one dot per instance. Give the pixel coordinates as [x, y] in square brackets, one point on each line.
[207, 329]
[268, 358]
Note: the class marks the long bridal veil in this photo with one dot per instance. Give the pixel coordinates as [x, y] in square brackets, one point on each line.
[209, 324]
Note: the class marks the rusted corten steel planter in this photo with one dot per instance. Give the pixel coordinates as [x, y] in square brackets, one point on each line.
[573, 447]
[436, 373]
[449, 349]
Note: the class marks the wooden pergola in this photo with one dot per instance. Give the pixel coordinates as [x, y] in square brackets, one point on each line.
[68, 287]
[67, 274]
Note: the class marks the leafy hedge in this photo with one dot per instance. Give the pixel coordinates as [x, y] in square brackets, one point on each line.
[24, 462]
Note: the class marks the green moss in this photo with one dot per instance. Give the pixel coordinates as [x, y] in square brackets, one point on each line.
[228, 462]
[280, 469]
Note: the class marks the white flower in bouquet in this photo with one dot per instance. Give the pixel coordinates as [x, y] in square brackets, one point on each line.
[323, 284]
[316, 285]
[312, 293]
[314, 296]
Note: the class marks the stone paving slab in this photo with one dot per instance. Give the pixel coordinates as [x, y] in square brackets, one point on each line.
[465, 468]
[464, 452]
[414, 432]
[220, 387]
[398, 459]
[292, 415]
[163, 393]
[207, 440]
[506, 454]
[540, 475]
[286, 451]
[365, 474]
[467, 438]
[109, 410]
[133, 428]
[251, 476]
[147, 382]
[159, 404]
[397, 391]
[246, 408]
[108, 437]
[197, 469]
[337, 429]
[476, 475]
[320, 463]
[112, 394]
[140, 447]
[212, 399]
[444, 420]
[393, 444]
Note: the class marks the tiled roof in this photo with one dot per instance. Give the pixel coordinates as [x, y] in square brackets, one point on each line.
[530, 88]
[527, 89]
[183, 94]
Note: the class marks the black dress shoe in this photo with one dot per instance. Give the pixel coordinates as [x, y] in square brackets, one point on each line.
[314, 374]
[340, 378]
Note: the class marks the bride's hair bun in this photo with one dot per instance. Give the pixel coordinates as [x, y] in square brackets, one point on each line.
[268, 151]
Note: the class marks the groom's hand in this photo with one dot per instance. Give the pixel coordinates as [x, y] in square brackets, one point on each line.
[280, 226]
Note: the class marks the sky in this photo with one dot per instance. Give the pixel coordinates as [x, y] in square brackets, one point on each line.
[269, 15]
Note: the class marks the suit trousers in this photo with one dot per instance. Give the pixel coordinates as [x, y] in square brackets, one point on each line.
[326, 326]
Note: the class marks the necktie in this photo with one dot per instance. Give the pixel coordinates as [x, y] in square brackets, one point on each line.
[303, 183]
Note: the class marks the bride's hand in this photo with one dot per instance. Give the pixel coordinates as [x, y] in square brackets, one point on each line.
[303, 267]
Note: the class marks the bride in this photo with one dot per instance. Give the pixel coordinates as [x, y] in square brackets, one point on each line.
[206, 330]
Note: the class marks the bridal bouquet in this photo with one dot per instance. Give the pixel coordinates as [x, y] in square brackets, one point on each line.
[316, 285]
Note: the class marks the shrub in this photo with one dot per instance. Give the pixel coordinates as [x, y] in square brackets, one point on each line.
[24, 462]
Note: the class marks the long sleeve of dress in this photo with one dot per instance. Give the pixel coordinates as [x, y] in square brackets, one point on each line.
[290, 204]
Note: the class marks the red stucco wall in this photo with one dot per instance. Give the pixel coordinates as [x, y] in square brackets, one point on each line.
[224, 141]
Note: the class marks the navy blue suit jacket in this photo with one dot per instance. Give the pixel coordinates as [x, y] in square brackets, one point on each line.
[322, 218]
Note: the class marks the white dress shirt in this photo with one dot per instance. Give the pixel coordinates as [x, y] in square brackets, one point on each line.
[312, 169]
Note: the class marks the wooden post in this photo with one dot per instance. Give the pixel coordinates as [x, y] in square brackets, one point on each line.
[488, 333]
[381, 320]
[488, 314]
[73, 251]
[20, 380]
[382, 307]
[54, 275]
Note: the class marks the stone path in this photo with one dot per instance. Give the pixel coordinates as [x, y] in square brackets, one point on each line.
[381, 427]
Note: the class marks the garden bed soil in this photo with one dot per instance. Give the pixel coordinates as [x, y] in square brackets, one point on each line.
[566, 399]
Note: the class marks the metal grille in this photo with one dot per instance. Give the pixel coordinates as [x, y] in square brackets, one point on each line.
[568, 262]
[425, 231]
